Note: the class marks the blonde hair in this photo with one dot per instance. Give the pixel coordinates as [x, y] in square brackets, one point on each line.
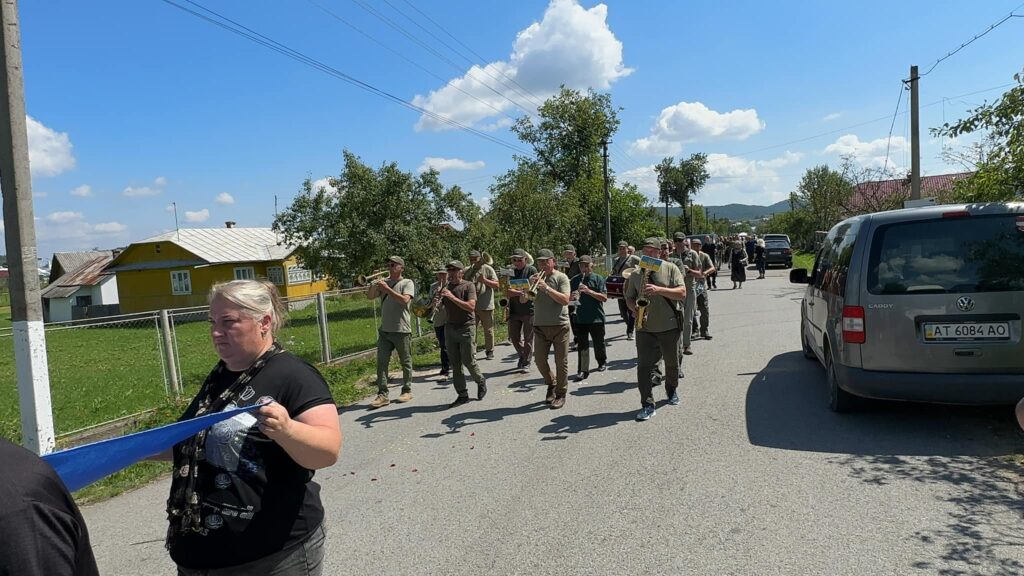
[258, 298]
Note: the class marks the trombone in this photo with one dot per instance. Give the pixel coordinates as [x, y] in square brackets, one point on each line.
[363, 280]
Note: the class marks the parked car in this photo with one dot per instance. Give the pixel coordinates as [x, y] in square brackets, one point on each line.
[922, 304]
[778, 252]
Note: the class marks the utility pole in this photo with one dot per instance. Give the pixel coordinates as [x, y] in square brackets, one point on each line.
[26, 306]
[607, 208]
[689, 229]
[915, 138]
[667, 231]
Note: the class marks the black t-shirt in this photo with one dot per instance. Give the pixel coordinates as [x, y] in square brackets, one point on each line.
[257, 500]
[517, 308]
[42, 533]
[457, 317]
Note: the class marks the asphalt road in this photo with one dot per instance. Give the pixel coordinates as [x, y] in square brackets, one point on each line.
[750, 475]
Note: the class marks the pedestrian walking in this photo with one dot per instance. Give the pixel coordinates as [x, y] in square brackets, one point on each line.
[760, 258]
[459, 301]
[590, 291]
[738, 266]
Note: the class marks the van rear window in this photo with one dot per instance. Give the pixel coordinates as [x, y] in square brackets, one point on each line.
[952, 255]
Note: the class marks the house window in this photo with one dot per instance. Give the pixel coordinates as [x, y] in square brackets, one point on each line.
[83, 300]
[245, 273]
[299, 275]
[275, 274]
[181, 282]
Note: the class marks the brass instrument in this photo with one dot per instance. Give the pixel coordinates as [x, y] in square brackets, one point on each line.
[503, 285]
[642, 301]
[362, 279]
[425, 309]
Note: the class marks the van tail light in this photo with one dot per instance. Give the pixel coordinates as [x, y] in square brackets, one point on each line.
[853, 325]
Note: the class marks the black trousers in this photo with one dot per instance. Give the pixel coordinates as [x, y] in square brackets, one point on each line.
[583, 334]
[439, 333]
[627, 315]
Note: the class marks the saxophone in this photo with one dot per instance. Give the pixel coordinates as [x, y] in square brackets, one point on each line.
[641, 301]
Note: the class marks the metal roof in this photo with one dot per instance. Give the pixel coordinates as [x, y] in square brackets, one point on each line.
[226, 245]
[90, 273]
[64, 262]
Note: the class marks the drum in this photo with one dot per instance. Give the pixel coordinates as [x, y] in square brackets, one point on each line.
[615, 285]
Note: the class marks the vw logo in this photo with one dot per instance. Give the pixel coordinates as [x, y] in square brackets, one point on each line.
[965, 303]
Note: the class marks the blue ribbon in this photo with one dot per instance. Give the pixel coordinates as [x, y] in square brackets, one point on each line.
[80, 466]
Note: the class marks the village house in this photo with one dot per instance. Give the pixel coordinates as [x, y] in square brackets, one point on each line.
[176, 269]
[81, 288]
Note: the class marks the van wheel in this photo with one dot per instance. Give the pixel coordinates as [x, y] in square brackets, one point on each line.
[808, 351]
[839, 400]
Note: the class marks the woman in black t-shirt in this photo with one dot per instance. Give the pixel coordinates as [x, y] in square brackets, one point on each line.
[242, 496]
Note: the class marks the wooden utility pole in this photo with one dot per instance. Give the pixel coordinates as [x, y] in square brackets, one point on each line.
[915, 137]
[607, 208]
[19, 227]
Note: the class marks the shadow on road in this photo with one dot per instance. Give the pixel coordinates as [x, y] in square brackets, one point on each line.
[787, 407]
[981, 535]
[962, 448]
[458, 420]
[382, 415]
[526, 385]
[622, 364]
[566, 424]
[616, 387]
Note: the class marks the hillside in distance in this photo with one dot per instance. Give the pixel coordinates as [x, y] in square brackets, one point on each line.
[734, 212]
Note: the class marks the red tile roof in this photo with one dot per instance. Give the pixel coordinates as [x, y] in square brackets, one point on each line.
[866, 194]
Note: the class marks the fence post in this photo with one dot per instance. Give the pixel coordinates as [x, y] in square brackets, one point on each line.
[321, 319]
[172, 365]
[419, 329]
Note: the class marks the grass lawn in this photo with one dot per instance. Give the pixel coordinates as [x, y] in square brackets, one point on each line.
[803, 260]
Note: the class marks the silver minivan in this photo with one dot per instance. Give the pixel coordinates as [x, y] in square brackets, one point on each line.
[922, 304]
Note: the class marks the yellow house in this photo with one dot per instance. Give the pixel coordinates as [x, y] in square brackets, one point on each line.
[176, 269]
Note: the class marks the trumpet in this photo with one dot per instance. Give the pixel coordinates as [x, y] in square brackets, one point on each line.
[362, 279]
[531, 292]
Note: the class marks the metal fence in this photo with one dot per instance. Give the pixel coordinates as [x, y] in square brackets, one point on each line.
[104, 369]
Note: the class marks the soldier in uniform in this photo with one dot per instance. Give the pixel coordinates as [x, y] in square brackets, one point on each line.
[690, 260]
[703, 274]
[658, 338]
[395, 333]
[572, 270]
[459, 300]
[624, 261]
[438, 320]
[485, 280]
[520, 313]
[551, 327]
[590, 290]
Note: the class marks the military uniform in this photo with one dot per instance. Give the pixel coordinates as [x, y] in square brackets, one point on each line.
[395, 334]
[520, 316]
[460, 338]
[659, 337]
[438, 320]
[691, 261]
[551, 330]
[484, 301]
[620, 265]
[702, 296]
[589, 323]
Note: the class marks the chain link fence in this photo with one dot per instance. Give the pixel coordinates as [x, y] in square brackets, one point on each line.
[105, 369]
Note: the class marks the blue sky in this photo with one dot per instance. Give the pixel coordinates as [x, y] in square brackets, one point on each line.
[136, 104]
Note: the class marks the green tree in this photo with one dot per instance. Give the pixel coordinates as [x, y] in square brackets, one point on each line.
[568, 133]
[678, 182]
[824, 194]
[999, 158]
[372, 215]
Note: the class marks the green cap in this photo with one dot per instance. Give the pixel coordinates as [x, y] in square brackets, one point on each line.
[544, 254]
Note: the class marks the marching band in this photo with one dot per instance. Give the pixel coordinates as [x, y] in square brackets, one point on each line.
[546, 302]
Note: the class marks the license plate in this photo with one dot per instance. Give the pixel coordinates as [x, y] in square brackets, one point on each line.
[972, 331]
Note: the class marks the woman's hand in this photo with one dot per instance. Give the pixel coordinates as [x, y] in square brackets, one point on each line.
[274, 421]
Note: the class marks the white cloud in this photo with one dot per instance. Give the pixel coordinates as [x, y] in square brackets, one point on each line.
[324, 183]
[869, 154]
[224, 199]
[197, 216]
[63, 217]
[732, 179]
[160, 181]
[443, 164]
[692, 122]
[83, 191]
[135, 192]
[570, 45]
[484, 203]
[109, 228]
[49, 151]
[831, 117]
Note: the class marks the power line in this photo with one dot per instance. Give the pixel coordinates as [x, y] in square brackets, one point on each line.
[234, 27]
[895, 113]
[976, 36]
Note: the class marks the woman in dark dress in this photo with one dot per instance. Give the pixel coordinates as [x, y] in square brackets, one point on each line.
[759, 258]
[738, 265]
